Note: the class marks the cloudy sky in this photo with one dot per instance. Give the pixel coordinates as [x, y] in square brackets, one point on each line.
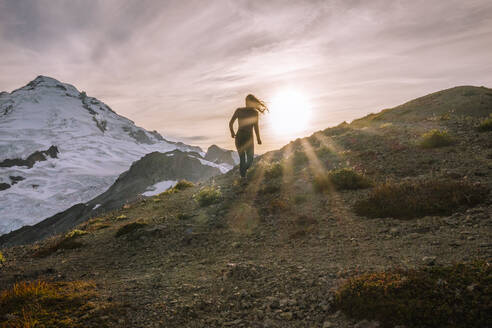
[182, 67]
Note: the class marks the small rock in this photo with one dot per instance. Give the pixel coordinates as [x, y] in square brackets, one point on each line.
[274, 303]
[429, 260]
[328, 324]
[394, 231]
[233, 323]
[367, 324]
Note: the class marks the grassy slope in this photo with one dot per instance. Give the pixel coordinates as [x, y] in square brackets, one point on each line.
[457, 101]
[271, 252]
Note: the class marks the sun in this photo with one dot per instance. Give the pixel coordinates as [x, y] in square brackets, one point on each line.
[290, 113]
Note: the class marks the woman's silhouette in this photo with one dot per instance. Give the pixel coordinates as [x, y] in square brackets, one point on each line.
[248, 119]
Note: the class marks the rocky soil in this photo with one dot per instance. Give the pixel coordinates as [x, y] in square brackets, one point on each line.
[273, 257]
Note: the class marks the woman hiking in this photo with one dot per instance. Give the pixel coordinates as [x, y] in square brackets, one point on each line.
[248, 119]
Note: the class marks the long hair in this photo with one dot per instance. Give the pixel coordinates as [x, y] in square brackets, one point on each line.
[261, 107]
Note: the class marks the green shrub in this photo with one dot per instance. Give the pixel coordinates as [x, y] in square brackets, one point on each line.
[183, 184]
[442, 296]
[341, 179]
[208, 196]
[435, 138]
[2, 258]
[130, 227]
[420, 198]
[347, 178]
[273, 171]
[486, 124]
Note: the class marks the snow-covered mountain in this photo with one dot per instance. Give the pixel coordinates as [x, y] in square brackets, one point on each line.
[60, 147]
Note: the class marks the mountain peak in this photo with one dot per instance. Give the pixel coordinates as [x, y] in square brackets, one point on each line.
[42, 81]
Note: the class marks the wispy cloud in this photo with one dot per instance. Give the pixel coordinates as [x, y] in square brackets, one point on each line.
[182, 67]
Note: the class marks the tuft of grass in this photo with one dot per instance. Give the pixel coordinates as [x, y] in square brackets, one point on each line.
[208, 196]
[412, 199]
[435, 139]
[486, 124]
[183, 184]
[75, 233]
[130, 227]
[67, 241]
[347, 178]
[341, 179]
[2, 258]
[122, 217]
[444, 296]
[47, 304]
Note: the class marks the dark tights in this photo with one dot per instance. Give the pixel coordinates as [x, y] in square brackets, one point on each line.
[246, 155]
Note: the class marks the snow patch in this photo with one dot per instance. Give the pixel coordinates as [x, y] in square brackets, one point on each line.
[223, 167]
[159, 187]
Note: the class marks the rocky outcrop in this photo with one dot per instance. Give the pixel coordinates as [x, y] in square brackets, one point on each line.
[219, 155]
[37, 156]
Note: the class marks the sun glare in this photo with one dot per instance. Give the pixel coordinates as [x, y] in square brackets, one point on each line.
[290, 113]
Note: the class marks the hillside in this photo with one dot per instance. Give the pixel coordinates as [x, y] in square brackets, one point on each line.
[463, 101]
[347, 213]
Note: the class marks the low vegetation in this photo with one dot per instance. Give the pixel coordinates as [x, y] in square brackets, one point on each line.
[2, 258]
[68, 241]
[95, 224]
[273, 171]
[299, 159]
[412, 199]
[341, 179]
[486, 124]
[435, 139]
[76, 233]
[130, 227]
[323, 152]
[183, 184]
[208, 195]
[47, 304]
[442, 296]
